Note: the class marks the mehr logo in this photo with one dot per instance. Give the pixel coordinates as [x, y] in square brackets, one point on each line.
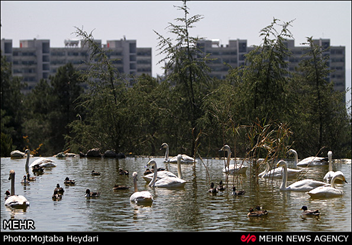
[18, 224]
[248, 238]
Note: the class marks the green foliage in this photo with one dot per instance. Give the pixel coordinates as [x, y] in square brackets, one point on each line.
[11, 105]
[260, 109]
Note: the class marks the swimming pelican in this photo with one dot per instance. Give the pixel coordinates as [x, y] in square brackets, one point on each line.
[185, 158]
[140, 197]
[309, 161]
[302, 185]
[41, 162]
[15, 201]
[167, 182]
[329, 175]
[328, 191]
[278, 172]
[239, 168]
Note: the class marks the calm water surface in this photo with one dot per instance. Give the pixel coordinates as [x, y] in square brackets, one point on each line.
[188, 209]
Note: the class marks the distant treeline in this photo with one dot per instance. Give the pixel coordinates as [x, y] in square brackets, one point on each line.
[260, 109]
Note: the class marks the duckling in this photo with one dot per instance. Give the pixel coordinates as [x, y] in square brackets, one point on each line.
[29, 178]
[95, 173]
[120, 187]
[220, 187]
[68, 181]
[59, 189]
[123, 172]
[256, 213]
[24, 180]
[91, 194]
[212, 190]
[7, 194]
[237, 193]
[56, 196]
[306, 211]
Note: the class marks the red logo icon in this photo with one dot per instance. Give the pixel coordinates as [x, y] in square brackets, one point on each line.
[248, 238]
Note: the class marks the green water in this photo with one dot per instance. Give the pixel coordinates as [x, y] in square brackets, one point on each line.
[188, 209]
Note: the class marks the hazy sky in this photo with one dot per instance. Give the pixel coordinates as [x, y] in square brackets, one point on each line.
[137, 20]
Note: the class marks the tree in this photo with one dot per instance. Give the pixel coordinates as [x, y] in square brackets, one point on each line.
[321, 120]
[51, 106]
[186, 68]
[11, 109]
[103, 103]
[263, 78]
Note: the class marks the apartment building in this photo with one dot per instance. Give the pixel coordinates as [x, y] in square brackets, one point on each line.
[233, 55]
[34, 59]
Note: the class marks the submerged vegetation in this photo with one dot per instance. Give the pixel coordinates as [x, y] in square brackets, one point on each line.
[260, 109]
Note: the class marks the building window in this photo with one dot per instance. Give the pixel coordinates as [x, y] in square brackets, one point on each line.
[45, 48]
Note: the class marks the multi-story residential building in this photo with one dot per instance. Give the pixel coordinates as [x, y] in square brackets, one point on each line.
[232, 55]
[35, 59]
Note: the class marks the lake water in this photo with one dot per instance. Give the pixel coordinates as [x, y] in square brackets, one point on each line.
[188, 209]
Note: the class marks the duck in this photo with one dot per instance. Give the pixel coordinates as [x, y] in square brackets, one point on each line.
[185, 158]
[31, 178]
[306, 211]
[91, 194]
[41, 162]
[237, 193]
[59, 189]
[7, 194]
[24, 180]
[69, 181]
[329, 175]
[120, 187]
[140, 197]
[308, 161]
[231, 169]
[95, 173]
[278, 172]
[38, 170]
[257, 213]
[302, 185]
[221, 187]
[123, 172]
[328, 191]
[212, 190]
[15, 201]
[167, 182]
[56, 196]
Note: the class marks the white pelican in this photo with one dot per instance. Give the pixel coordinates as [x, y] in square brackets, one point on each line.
[309, 161]
[328, 191]
[302, 185]
[278, 172]
[185, 158]
[140, 197]
[15, 201]
[231, 169]
[167, 182]
[329, 175]
[41, 162]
